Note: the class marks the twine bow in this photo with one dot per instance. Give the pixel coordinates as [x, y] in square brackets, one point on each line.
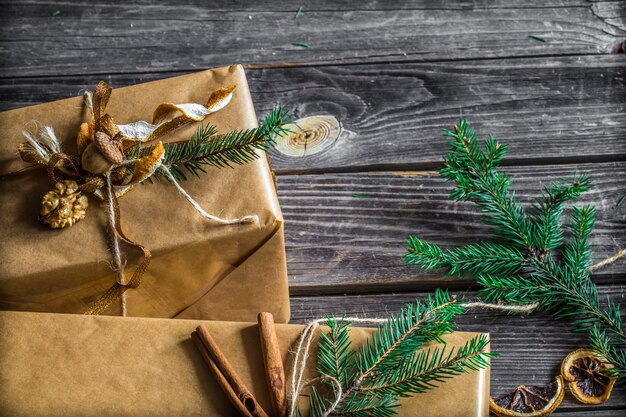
[103, 167]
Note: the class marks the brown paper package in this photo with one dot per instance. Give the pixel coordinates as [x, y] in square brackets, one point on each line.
[72, 365]
[199, 270]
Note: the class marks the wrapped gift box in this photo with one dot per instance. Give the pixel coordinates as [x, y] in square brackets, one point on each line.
[73, 365]
[199, 269]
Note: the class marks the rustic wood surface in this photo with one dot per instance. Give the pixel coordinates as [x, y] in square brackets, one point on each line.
[394, 74]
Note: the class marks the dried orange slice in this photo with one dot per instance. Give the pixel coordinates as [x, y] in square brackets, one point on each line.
[587, 378]
[529, 401]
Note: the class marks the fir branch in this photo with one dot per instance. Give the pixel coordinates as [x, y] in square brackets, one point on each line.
[547, 212]
[357, 405]
[483, 257]
[576, 253]
[610, 348]
[415, 325]
[478, 181]
[336, 357]
[207, 148]
[391, 365]
[524, 268]
[515, 290]
[423, 370]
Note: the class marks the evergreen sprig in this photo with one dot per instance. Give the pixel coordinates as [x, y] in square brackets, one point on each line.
[392, 364]
[421, 370]
[532, 263]
[206, 147]
[335, 357]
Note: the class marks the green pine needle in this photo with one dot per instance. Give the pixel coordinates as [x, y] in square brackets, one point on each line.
[317, 404]
[336, 357]
[359, 405]
[423, 370]
[577, 256]
[484, 185]
[533, 262]
[483, 257]
[207, 148]
[415, 325]
[302, 44]
[392, 364]
[548, 211]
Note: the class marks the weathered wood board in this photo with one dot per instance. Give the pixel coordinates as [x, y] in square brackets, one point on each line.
[80, 37]
[393, 74]
[346, 232]
[548, 110]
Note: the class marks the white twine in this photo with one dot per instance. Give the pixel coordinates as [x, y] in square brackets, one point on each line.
[338, 394]
[620, 254]
[199, 209]
[299, 364]
[525, 308]
[298, 369]
[119, 264]
[301, 354]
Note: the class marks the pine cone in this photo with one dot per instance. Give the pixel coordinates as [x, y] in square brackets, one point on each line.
[63, 206]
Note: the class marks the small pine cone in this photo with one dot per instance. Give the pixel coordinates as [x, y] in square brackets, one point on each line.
[63, 206]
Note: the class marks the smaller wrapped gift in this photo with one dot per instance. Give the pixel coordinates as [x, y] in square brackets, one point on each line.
[180, 262]
[76, 365]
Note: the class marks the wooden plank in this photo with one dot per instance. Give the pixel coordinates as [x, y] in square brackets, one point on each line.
[80, 37]
[564, 109]
[547, 111]
[338, 243]
[531, 347]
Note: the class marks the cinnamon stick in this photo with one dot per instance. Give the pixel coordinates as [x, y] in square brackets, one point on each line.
[219, 377]
[230, 382]
[272, 358]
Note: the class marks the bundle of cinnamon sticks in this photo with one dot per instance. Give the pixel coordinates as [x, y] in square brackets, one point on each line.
[230, 382]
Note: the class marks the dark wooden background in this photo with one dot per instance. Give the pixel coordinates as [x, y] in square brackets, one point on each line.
[394, 74]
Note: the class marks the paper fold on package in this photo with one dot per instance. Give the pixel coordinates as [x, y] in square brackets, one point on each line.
[72, 365]
[199, 269]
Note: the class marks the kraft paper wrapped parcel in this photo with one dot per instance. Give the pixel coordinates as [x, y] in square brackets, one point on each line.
[147, 365]
[75, 365]
[199, 269]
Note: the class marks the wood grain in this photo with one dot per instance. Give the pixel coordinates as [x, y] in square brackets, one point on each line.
[394, 74]
[339, 243]
[548, 111]
[531, 347]
[80, 37]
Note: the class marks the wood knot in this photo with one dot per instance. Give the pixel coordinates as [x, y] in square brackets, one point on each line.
[309, 135]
